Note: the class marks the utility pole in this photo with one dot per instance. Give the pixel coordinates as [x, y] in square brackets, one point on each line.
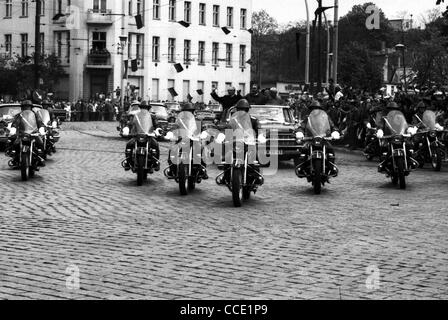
[37, 46]
[308, 32]
[319, 48]
[259, 68]
[336, 41]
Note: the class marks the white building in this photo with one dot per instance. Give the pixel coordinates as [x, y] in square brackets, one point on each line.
[86, 37]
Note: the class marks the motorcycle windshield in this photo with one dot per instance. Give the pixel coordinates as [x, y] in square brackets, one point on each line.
[187, 122]
[318, 124]
[134, 109]
[44, 115]
[242, 127]
[395, 123]
[142, 123]
[429, 119]
[28, 122]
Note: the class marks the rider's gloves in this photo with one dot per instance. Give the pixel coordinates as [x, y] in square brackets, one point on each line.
[42, 131]
[12, 131]
[262, 139]
[126, 131]
[204, 135]
[369, 126]
[412, 130]
[335, 135]
[159, 132]
[439, 127]
[169, 136]
[380, 134]
[300, 135]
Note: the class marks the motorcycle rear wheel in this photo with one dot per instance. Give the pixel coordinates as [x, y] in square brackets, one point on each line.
[317, 181]
[191, 183]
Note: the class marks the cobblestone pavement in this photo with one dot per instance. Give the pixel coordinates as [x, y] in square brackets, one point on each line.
[361, 239]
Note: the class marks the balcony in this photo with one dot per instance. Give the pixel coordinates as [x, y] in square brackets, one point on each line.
[99, 60]
[99, 17]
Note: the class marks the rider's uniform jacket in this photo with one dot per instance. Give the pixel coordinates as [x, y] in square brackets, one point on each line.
[17, 120]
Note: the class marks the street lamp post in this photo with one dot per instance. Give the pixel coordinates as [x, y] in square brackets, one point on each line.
[402, 47]
[123, 42]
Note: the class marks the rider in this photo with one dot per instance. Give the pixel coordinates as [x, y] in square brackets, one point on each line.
[13, 144]
[334, 134]
[171, 172]
[153, 144]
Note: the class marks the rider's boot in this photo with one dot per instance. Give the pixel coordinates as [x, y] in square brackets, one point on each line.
[127, 163]
[40, 158]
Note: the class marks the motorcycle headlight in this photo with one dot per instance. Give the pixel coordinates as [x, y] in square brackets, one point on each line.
[432, 134]
[380, 134]
[54, 124]
[204, 135]
[220, 138]
[126, 131]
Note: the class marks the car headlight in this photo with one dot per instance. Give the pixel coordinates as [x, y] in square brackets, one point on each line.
[300, 135]
[335, 135]
[42, 131]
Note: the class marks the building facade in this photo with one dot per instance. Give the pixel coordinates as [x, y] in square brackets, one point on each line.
[85, 35]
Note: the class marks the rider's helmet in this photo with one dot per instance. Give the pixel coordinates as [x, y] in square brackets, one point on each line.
[144, 105]
[188, 106]
[243, 105]
[26, 105]
[46, 104]
[392, 106]
[315, 105]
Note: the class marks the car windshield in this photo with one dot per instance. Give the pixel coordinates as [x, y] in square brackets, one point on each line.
[9, 111]
[159, 111]
[395, 123]
[274, 114]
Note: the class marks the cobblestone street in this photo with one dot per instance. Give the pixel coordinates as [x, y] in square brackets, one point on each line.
[361, 239]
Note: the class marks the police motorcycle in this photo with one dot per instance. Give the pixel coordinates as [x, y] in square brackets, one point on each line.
[397, 156]
[29, 161]
[51, 128]
[317, 161]
[144, 159]
[241, 169]
[185, 158]
[372, 143]
[429, 149]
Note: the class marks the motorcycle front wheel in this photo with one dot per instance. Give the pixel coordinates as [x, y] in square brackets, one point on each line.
[317, 181]
[237, 186]
[140, 170]
[436, 160]
[183, 179]
[25, 167]
[401, 176]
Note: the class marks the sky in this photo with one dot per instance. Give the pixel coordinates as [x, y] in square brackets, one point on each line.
[285, 11]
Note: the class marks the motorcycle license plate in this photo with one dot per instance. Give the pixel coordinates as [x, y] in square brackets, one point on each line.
[25, 149]
[398, 152]
[141, 151]
[317, 155]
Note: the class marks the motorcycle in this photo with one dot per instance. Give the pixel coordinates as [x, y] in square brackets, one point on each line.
[186, 156]
[429, 149]
[372, 144]
[144, 158]
[241, 174]
[316, 163]
[398, 161]
[52, 135]
[28, 160]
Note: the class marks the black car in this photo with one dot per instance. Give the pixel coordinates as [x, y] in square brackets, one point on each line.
[7, 114]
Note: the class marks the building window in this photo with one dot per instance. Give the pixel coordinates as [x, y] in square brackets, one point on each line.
[130, 8]
[62, 45]
[215, 53]
[216, 16]
[243, 19]
[155, 49]
[185, 89]
[215, 85]
[172, 10]
[42, 43]
[242, 89]
[230, 17]
[24, 44]
[202, 12]
[24, 8]
[8, 45]
[155, 90]
[139, 7]
[156, 10]
[201, 87]
[229, 49]
[201, 53]
[8, 9]
[171, 50]
[42, 7]
[99, 42]
[139, 49]
[59, 6]
[187, 11]
[242, 56]
[187, 51]
[100, 6]
[171, 84]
